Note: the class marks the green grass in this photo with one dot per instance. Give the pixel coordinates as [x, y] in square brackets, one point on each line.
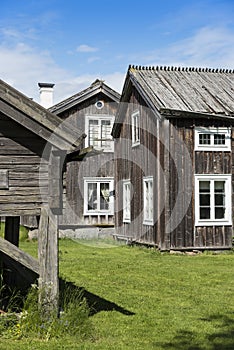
[23, 236]
[141, 299]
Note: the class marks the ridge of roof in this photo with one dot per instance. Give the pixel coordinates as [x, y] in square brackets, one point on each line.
[70, 101]
[182, 69]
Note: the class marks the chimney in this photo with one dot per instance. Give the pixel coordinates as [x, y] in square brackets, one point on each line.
[46, 94]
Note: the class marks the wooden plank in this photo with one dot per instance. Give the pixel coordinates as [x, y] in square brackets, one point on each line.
[38, 129]
[48, 261]
[55, 182]
[18, 255]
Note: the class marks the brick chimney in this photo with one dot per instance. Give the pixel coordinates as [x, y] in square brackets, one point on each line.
[46, 94]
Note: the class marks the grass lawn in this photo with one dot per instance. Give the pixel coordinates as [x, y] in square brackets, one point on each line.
[143, 299]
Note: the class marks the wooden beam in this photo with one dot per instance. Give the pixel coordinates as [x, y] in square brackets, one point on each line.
[48, 262]
[18, 255]
[79, 155]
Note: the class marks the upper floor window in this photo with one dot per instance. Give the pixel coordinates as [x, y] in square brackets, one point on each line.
[98, 131]
[213, 200]
[98, 196]
[148, 200]
[136, 128]
[212, 139]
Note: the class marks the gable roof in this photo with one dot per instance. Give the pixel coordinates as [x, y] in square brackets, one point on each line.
[96, 87]
[37, 119]
[187, 89]
[173, 91]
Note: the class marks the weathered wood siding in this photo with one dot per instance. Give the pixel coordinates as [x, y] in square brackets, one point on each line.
[98, 166]
[135, 163]
[20, 170]
[203, 162]
[167, 153]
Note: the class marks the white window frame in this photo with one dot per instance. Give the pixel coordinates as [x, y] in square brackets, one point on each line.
[213, 131]
[98, 181]
[135, 128]
[127, 201]
[228, 200]
[99, 118]
[148, 198]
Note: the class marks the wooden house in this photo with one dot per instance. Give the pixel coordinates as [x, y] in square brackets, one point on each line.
[89, 185]
[34, 148]
[174, 158]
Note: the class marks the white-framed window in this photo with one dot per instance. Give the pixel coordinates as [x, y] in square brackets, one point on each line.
[98, 196]
[98, 131]
[126, 201]
[212, 139]
[136, 128]
[148, 195]
[213, 200]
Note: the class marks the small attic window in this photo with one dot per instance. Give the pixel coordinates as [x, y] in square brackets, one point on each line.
[99, 104]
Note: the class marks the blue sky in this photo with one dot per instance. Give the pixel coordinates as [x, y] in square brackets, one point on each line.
[71, 42]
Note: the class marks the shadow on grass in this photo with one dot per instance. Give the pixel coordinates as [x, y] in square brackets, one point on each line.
[95, 303]
[223, 339]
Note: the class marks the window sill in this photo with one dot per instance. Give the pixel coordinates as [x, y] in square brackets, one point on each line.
[136, 144]
[148, 223]
[93, 213]
[126, 221]
[214, 223]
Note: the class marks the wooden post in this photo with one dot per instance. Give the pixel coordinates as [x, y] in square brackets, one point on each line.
[48, 262]
[12, 227]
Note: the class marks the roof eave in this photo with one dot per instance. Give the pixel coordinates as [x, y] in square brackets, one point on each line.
[63, 106]
[174, 113]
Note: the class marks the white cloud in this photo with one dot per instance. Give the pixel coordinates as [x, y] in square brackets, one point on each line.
[208, 47]
[23, 67]
[86, 48]
[93, 59]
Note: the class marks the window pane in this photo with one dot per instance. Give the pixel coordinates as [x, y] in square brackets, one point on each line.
[104, 196]
[93, 132]
[135, 128]
[204, 213]
[92, 196]
[106, 134]
[219, 188]
[148, 200]
[219, 139]
[204, 186]
[126, 201]
[204, 139]
[219, 213]
[204, 199]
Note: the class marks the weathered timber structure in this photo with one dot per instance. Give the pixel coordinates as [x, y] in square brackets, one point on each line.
[89, 185]
[174, 144]
[35, 147]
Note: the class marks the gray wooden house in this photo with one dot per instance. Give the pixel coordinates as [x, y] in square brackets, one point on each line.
[174, 157]
[34, 151]
[89, 185]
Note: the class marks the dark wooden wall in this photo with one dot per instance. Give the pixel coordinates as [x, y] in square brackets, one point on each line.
[97, 166]
[134, 163]
[203, 162]
[20, 167]
[167, 153]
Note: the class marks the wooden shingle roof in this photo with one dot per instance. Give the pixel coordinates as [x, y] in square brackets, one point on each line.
[180, 92]
[200, 90]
